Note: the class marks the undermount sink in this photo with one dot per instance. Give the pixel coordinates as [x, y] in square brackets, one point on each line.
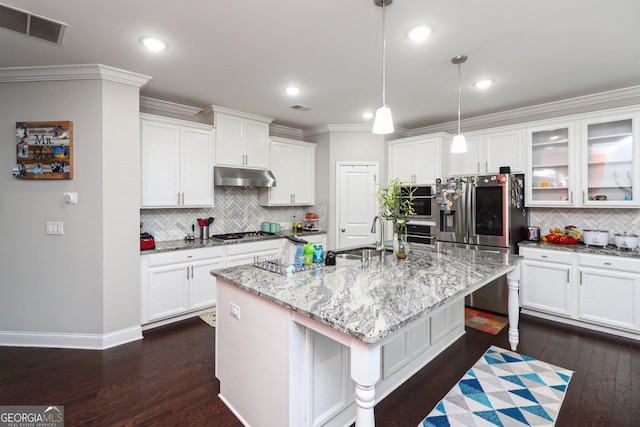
[356, 253]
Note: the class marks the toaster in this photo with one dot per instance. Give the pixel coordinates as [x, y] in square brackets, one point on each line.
[147, 241]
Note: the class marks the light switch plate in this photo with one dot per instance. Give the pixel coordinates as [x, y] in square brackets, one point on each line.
[55, 228]
[235, 311]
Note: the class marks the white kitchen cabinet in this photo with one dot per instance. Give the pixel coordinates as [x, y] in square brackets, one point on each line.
[176, 283]
[487, 151]
[609, 291]
[245, 253]
[547, 287]
[176, 163]
[587, 160]
[293, 165]
[599, 292]
[417, 160]
[241, 139]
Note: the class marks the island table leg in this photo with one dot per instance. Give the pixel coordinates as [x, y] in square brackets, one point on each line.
[365, 371]
[513, 280]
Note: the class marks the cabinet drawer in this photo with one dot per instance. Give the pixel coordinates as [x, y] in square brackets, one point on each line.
[188, 255]
[547, 255]
[609, 262]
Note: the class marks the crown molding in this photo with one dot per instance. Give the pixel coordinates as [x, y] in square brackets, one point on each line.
[285, 132]
[211, 109]
[169, 107]
[535, 112]
[72, 72]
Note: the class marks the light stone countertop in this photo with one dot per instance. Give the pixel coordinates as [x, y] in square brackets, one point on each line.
[369, 303]
[610, 250]
[177, 245]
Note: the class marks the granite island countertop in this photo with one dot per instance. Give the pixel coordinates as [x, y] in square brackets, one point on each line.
[369, 303]
[580, 247]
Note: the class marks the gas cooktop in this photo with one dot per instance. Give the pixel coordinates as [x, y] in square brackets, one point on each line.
[245, 236]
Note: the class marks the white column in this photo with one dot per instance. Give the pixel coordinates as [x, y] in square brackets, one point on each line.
[365, 371]
[513, 279]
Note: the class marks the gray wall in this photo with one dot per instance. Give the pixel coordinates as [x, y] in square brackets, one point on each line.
[87, 280]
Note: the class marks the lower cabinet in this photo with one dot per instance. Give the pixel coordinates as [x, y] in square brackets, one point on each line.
[594, 291]
[175, 283]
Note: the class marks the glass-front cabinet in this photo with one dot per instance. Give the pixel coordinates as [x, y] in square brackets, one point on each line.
[608, 163]
[589, 160]
[552, 176]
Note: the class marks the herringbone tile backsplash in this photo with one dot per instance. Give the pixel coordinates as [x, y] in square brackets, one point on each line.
[235, 209]
[612, 220]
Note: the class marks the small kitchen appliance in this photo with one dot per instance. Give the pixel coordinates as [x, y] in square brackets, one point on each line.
[626, 241]
[595, 237]
[147, 241]
[533, 234]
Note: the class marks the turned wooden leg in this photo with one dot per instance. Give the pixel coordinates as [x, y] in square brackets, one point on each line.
[513, 279]
[365, 371]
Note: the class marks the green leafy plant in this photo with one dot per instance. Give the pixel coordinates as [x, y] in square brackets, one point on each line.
[394, 207]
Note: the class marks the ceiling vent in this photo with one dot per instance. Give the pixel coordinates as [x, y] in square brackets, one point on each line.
[300, 107]
[31, 25]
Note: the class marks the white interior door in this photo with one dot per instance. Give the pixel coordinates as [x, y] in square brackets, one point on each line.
[357, 206]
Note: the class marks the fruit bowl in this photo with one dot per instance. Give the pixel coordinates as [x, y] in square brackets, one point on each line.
[564, 240]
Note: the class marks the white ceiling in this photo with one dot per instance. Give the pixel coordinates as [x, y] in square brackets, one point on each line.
[241, 54]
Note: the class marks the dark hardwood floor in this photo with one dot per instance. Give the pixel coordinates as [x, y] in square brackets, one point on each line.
[167, 379]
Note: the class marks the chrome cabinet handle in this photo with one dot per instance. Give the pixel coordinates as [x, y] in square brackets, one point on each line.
[568, 281]
[192, 271]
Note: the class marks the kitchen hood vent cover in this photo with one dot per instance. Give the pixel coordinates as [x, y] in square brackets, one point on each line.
[239, 177]
[31, 25]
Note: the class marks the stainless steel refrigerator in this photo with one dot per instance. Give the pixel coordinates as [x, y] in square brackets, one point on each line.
[483, 213]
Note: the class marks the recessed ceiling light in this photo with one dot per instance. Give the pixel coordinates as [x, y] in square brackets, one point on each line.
[483, 84]
[154, 45]
[292, 90]
[419, 34]
[367, 115]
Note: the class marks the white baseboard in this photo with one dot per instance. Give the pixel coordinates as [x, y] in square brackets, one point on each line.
[70, 340]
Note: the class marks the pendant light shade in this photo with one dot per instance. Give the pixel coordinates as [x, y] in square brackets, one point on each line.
[459, 143]
[383, 123]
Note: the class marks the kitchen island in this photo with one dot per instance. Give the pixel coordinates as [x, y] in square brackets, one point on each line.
[274, 332]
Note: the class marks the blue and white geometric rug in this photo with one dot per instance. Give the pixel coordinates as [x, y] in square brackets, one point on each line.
[505, 389]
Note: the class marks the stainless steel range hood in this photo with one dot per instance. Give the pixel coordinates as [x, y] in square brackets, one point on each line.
[239, 177]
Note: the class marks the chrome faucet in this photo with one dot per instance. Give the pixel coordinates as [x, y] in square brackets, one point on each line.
[379, 245]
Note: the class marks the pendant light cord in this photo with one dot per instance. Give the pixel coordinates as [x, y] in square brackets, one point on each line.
[384, 56]
[459, 90]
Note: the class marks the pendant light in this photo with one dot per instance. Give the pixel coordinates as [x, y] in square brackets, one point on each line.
[459, 144]
[383, 123]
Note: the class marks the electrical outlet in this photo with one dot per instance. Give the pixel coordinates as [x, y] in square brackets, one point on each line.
[235, 311]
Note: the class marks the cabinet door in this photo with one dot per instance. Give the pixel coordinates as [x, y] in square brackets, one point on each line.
[466, 163]
[552, 178]
[546, 287]
[168, 295]
[427, 160]
[196, 167]
[256, 142]
[160, 170]
[401, 159]
[229, 148]
[303, 175]
[504, 149]
[608, 167]
[202, 285]
[282, 193]
[609, 298]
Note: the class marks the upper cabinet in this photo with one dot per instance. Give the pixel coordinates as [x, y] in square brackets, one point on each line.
[176, 163]
[418, 159]
[293, 165]
[589, 161]
[488, 151]
[241, 139]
